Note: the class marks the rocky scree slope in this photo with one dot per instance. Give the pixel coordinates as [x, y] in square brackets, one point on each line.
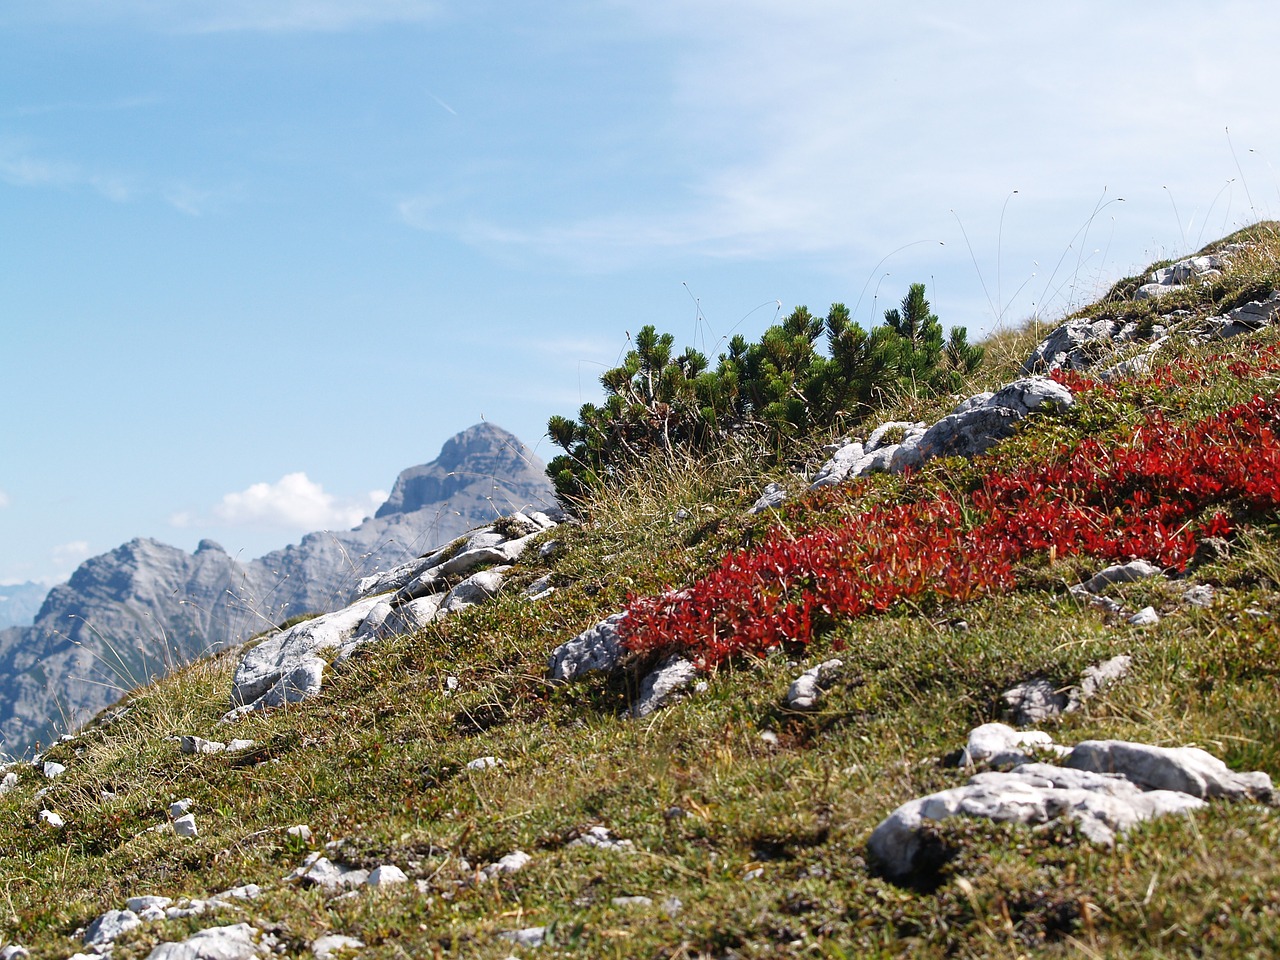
[545, 766]
[145, 607]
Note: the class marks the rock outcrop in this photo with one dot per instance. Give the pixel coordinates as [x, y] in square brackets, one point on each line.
[1101, 787]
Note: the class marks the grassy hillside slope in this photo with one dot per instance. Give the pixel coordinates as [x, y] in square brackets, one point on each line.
[754, 818]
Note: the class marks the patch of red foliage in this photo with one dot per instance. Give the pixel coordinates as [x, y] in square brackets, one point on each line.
[1153, 496]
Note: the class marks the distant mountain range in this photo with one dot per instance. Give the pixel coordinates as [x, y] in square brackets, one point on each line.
[145, 607]
[19, 603]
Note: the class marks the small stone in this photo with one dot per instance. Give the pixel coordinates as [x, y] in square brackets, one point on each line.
[179, 807]
[320, 871]
[513, 862]
[1121, 573]
[248, 891]
[51, 819]
[672, 906]
[1145, 617]
[8, 782]
[234, 746]
[109, 926]
[185, 826]
[1201, 595]
[386, 875]
[632, 902]
[754, 874]
[15, 952]
[675, 813]
[484, 763]
[139, 904]
[333, 945]
[1034, 701]
[602, 838]
[234, 942]
[199, 745]
[773, 496]
[53, 770]
[528, 937]
[769, 737]
[999, 745]
[805, 692]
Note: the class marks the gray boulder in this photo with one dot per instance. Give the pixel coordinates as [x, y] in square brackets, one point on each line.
[596, 648]
[1188, 770]
[264, 665]
[669, 679]
[1100, 806]
[233, 942]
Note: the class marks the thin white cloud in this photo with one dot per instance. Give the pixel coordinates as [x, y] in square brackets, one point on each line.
[221, 16]
[4, 500]
[294, 502]
[838, 132]
[20, 167]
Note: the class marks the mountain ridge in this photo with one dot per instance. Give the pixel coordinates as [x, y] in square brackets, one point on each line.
[136, 611]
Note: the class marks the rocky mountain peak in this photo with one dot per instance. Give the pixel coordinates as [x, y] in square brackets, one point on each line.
[483, 459]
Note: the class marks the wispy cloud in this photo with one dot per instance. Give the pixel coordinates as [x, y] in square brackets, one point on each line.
[294, 502]
[4, 500]
[220, 16]
[20, 167]
[442, 104]
[837, 132]
[80, 106]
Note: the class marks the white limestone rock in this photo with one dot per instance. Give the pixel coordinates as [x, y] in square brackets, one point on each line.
[51, 820]
[838, 468]
[387, 875]
[476, 589]
[265, 665]
[318, 870]
[1119, 573]
[199, 745]
[668, 680]
[597, 648]
[1188, 770]
[185, 826]
[234, 942]
[513, 862]
[527, 937]
[334, 945]
[247, 891]
[303, 680]
[805, 692]
[1146, 617]
[111, 925]
[52, 770]
[999, 745]
[1100, 806]
[602, 838]
[773, 496]
[8, 782]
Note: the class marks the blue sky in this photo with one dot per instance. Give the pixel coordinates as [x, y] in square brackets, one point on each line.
[260, 255]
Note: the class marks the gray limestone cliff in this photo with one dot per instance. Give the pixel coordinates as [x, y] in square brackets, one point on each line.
[145, 607]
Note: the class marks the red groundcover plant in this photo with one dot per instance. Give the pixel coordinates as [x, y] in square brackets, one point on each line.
[1154, 496]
